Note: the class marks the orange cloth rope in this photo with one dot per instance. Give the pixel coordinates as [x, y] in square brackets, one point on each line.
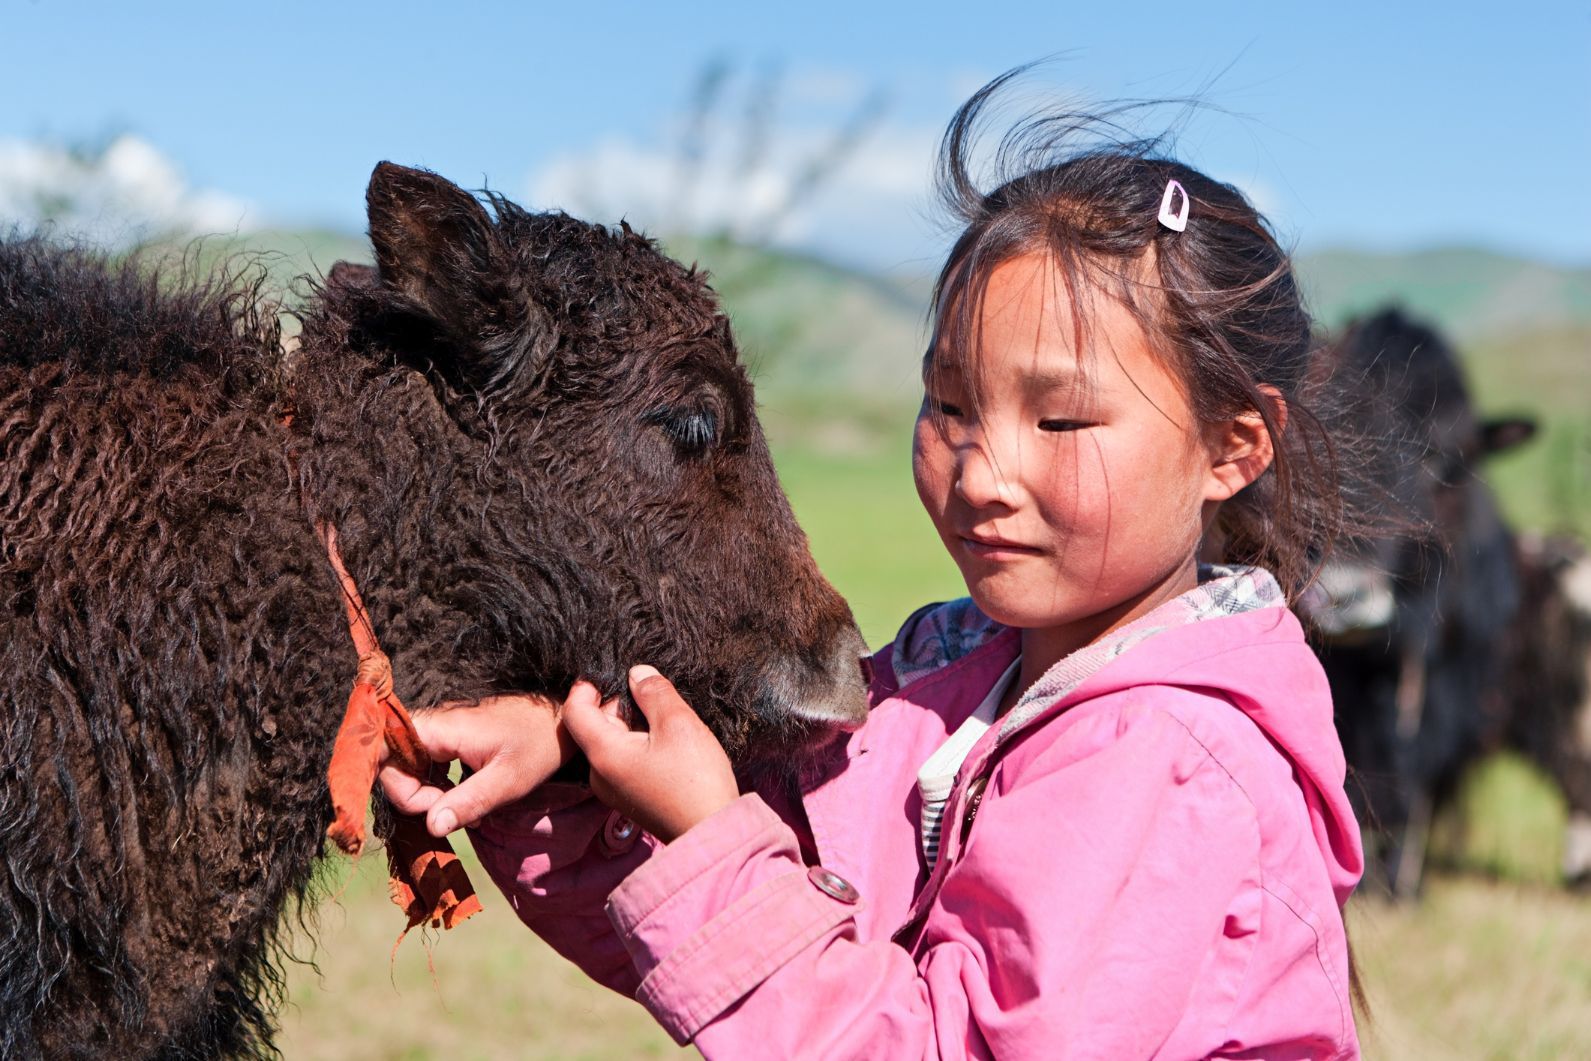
[427, 879]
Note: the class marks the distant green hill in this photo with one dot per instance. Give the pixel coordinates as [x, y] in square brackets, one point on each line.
[810, 326]
[835, 352]
[823, 343]
[285, 254]
[1471, 294]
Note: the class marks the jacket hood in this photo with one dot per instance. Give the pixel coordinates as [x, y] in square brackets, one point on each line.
[1261, 662]
[1232, 635]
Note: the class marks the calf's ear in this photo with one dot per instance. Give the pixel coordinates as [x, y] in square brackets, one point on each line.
[432, 238]
[351, 274]
[1500, 435]
[437, 248]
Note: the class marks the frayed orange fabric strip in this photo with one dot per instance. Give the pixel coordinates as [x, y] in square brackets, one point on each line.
[430, 884]
[355, 758]
[427, 879]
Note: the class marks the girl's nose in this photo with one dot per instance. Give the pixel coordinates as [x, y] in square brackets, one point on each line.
[983, 480]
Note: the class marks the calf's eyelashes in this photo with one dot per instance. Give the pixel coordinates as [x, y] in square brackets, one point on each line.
[693, 430]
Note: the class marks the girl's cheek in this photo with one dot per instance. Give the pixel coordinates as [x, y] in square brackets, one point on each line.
[928, 460]
[1066, 480]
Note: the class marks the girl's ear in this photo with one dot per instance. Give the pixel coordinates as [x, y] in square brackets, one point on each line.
[1241, 448]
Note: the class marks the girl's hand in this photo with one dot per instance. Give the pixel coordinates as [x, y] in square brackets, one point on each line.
[667, 779]
[512, 743]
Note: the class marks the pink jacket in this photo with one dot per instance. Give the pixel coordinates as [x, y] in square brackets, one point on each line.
[1150, 862]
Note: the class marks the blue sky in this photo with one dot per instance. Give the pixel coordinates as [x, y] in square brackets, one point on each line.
[1379, 125]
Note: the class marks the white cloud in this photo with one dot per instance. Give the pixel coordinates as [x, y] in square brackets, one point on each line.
[1258, 191]
[868, 209]
[126, 192]
[875, 209]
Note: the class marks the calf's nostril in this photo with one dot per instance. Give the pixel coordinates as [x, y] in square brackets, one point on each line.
[833, 693]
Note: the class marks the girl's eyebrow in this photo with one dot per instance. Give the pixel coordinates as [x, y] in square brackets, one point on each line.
[1050, 379]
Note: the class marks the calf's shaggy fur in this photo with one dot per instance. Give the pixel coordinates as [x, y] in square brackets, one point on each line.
[540, 451]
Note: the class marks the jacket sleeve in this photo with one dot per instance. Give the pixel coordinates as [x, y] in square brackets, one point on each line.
[1092, 894]
[556, 855]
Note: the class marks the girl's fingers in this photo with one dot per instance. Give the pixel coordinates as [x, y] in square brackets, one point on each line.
[497, 783]
[456, 730]
[582, 694]
[588, 721]
[614, 715]
[442, 729]
[407, 793]
[654, 694]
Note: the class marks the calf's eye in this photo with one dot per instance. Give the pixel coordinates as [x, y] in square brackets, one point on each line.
[692, 430]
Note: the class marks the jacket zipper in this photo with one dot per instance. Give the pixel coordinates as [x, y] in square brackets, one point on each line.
[974, 801]
[907, 935]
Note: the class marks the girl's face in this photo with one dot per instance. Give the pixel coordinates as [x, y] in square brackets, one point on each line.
[1072, 491]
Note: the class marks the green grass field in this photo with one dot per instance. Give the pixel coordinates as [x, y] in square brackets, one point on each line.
[1496, 963]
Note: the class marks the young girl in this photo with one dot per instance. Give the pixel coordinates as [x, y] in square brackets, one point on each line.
[1097, 809]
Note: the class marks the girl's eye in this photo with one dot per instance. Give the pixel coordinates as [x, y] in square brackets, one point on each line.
[944, 408]
[1062, 425]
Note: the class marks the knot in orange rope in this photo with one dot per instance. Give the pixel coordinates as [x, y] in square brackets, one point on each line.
[375, 670]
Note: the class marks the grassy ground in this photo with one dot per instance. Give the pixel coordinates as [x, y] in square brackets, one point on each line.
[485, 991]
[869, 533]
[1480, 969]
[1496, 963]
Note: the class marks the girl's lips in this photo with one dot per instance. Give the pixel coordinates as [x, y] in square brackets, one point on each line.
[995, 548]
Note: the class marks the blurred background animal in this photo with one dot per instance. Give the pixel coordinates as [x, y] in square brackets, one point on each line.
[1546, 699]
[1412, 625]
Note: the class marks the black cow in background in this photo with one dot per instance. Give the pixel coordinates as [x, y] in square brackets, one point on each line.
[1411, 626]
[1547, 688]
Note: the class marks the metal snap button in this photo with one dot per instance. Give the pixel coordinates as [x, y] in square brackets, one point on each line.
[619, 833]
[833, 885]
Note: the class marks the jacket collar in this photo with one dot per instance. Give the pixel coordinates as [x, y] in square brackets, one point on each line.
[939, 635]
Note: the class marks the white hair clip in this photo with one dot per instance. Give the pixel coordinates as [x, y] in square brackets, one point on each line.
[1178, 221]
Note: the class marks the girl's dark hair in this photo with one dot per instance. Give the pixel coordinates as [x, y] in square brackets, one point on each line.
[1218, 299]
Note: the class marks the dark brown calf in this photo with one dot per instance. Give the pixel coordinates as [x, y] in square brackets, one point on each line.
[539, 448]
